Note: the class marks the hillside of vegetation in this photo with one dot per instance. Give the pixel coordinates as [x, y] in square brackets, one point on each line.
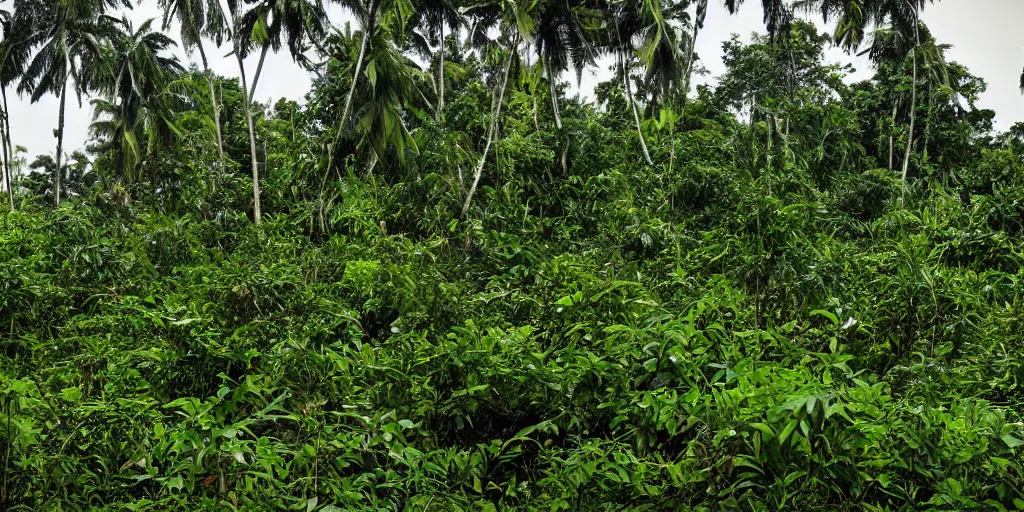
[811, 299]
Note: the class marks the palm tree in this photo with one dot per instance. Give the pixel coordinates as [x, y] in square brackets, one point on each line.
[698, 25]
[565, 36]
[853, 19]
[274, 23]
[199, 18]
[373, 16]
[428, 23]
[70, 34]
[11, 67]
[134, 78]
[515, 22]
[242, 43]
[891, 48]
[643, 32]
[380, 122]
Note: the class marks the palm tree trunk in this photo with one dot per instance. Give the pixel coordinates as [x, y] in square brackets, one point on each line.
[60, 139]
[636, 115]
[492, 129]
[4, 139]
[440, 78]
[252, 141]
[9, 146]
[213, 100]
[348, 102]
[554, 93]
[259, 70]
[913, 99]
[7, 182]
[702, 10]
[892, 135]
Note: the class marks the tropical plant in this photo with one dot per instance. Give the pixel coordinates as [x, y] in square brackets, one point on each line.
[426, 30]
[377, 19]
[276, 23]
[134, 117]
[242, 37]
[198, 19]
[514, 20]
[647, 32]
[70, 37]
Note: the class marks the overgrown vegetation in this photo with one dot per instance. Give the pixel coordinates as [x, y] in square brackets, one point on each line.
[812, 300]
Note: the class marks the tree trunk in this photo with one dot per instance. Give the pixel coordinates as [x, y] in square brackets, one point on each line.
[60, 140]
[9, 146]
[252, 140]
[554, 93]
[7, 182]
[213, 100]
[440, 78]
[492, 129]
[348, 102]
[636, 115]
[4, 137]
[259, 70]
[702, 10]
[892, 135]
[913, 100]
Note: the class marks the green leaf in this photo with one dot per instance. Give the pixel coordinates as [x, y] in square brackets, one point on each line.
[766, 431]
[787, 431]
[792, 477]
[1011, 441]
[406, 424]
[71, 394]
[827, 314]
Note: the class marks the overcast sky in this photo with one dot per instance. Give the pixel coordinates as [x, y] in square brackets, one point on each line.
[986, 36]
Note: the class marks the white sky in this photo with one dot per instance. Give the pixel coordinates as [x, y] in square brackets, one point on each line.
[985, 35]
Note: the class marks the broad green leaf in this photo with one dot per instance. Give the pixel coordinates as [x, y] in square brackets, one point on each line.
[1011, 441]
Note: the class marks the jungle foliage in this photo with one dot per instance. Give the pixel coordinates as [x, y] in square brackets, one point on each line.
[812, 300]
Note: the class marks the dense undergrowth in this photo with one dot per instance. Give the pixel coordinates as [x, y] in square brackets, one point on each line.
[778, 353]
[749, 325]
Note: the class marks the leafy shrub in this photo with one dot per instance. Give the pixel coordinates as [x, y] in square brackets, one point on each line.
[865, 196]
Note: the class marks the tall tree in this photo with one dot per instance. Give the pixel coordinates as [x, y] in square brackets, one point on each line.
[242, 43]
[380, 124]
[11, 68]
[429, 19]
[515, 22]
[134, 76]
[199, 18]
[276, 23]
[698, 25]
[373, 16]
[643, 33]
[70, 35]
[854, 17]
[892, 50]
[565, 36]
